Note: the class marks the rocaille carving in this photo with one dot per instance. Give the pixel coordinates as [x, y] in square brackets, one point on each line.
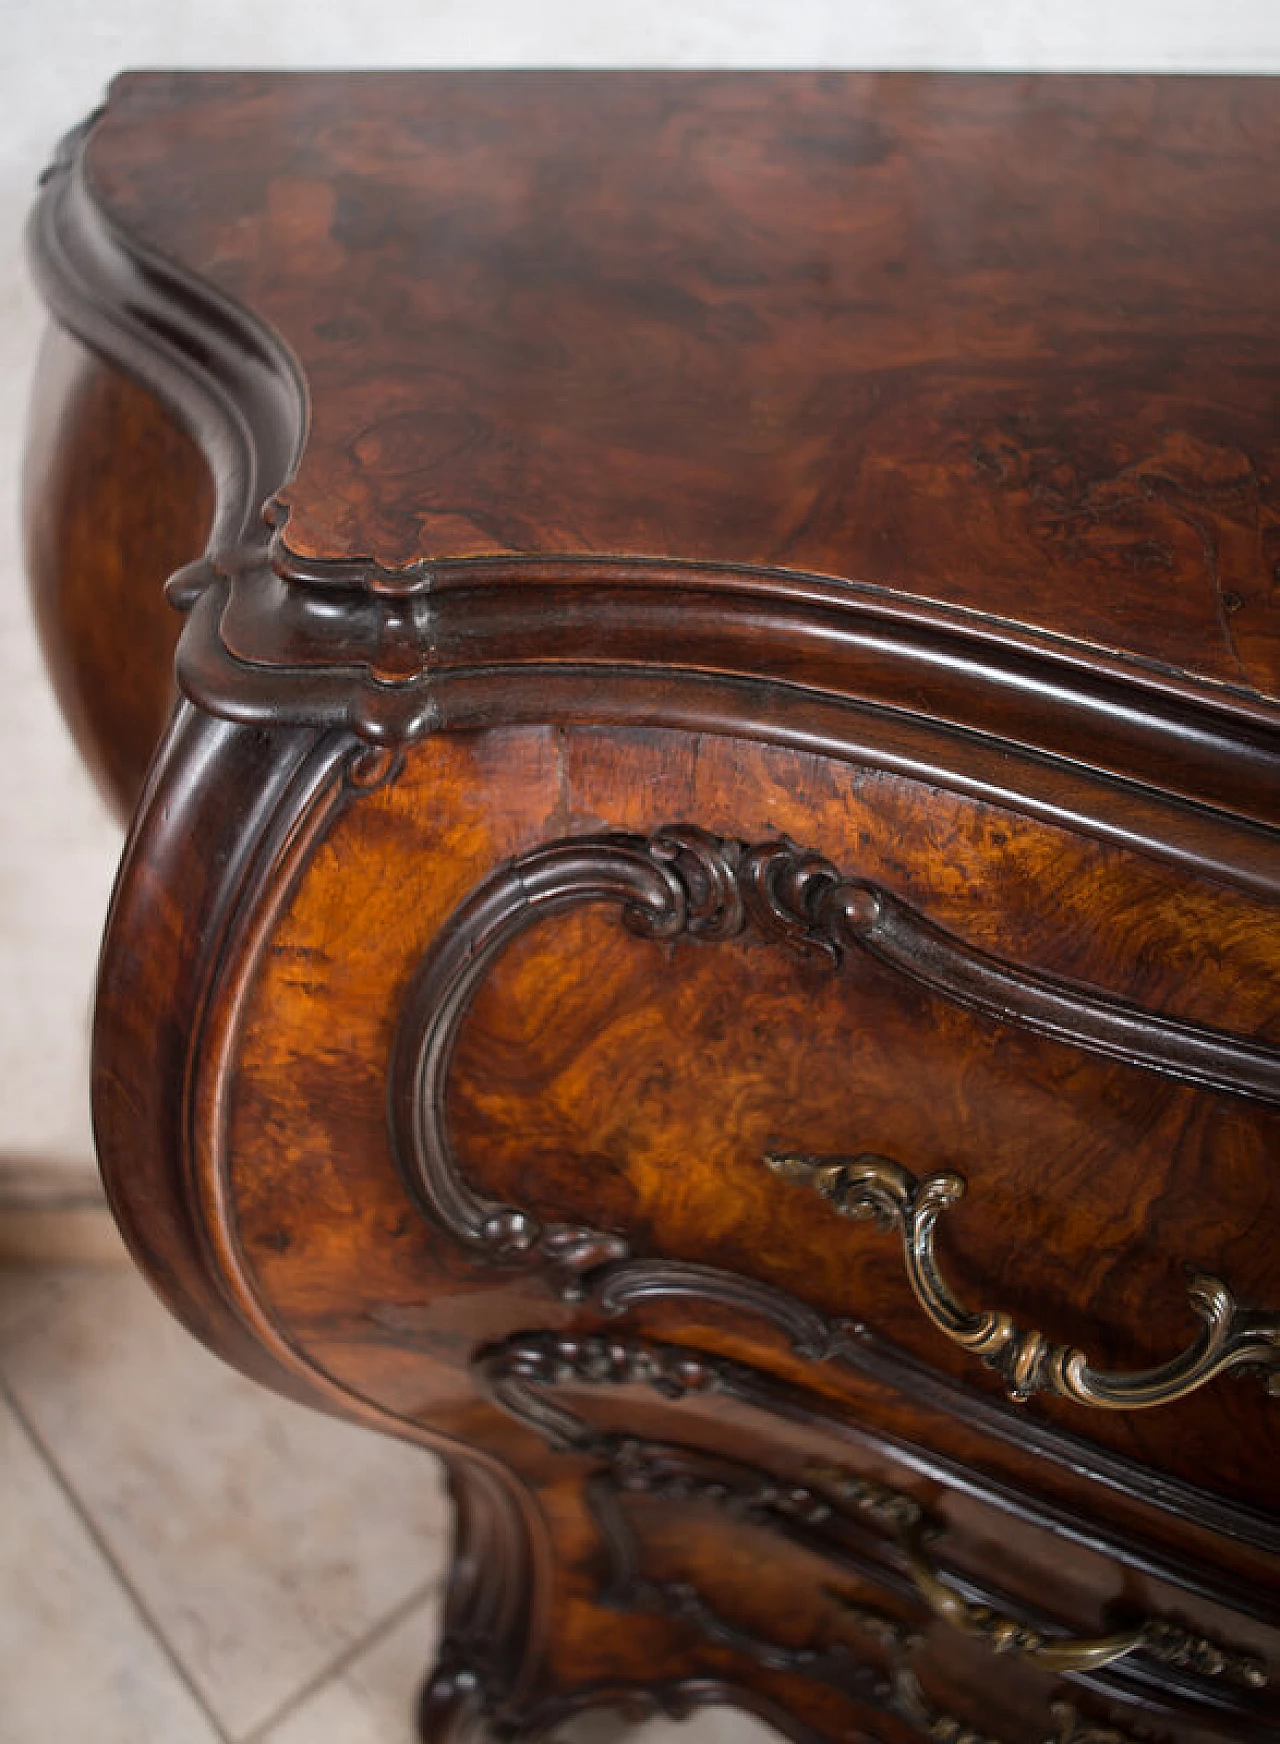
[644, 1468]
[637, 1468]
[685, 881]
[932, 1723]
[1070, 1727]
[875, 1188]
[887, 1508]
[519, 1374]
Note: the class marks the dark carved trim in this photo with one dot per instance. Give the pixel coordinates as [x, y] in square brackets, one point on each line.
[486, 1624]
[1063, 730]
[228, 378]
[626, 1588]
[683, 881]
[834, 1663]
[814, 1514]
[517, 1374]
[634, 1284]
[1074, 1728]
[541, 883]
[619, 1288]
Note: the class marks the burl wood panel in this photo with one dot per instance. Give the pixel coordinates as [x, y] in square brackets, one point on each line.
[636, 1087]
[1007, 343]
[117, 496]
[612, 1087]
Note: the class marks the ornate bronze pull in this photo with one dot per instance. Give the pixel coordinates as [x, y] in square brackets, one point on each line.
[876, 1188]
[902, 1516]
[1167, 1642]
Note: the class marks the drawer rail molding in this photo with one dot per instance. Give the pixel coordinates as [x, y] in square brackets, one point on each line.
[877, 1189]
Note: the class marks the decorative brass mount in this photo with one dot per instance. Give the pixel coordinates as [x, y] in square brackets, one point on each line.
[876, 1188]
[1156, 1637]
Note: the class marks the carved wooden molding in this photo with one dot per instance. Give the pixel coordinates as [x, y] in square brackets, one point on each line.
[934, 691]
[683, 881]
[519, 1375]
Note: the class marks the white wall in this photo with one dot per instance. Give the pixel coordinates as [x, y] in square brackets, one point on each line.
[57, 845]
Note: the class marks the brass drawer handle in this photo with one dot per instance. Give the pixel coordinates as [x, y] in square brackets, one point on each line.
[1167, 1642]
[902, 1516]
[876, 1188]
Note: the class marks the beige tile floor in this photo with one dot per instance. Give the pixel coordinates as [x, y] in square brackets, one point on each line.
[187, 1559]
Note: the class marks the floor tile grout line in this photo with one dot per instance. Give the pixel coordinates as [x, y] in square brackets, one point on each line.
[344, 1660]
[100, 1543]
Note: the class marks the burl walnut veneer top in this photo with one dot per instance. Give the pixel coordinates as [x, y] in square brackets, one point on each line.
[1012, 344]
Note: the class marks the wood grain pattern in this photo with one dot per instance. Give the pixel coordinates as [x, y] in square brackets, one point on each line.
[118, 497]
[880, 465]
[528, 1072]
[907, 330]
[939, 683]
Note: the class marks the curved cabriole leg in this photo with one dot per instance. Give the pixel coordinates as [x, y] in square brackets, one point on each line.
[486, 1610]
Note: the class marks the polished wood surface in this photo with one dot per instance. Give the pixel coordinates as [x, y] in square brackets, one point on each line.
[118, 497]
[1004, 343]
[760, 641]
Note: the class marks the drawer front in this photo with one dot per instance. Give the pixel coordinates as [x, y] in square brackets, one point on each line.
[854, 1056]
[435, 1132]
[856, 1570]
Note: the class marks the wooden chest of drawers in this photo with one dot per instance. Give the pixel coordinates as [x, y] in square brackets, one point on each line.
[701, 936]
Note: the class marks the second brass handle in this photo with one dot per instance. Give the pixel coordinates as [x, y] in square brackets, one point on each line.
[1164, 1641]
[1156, 1637]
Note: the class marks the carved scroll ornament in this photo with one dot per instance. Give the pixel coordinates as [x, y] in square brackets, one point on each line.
[685, 881]
[525, 1370]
